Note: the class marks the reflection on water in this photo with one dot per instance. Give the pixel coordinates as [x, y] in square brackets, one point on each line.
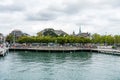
[50, 57]
[59, 66]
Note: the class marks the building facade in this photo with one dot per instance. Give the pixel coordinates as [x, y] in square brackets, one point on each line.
[18, 33]
[81, 34]
[57, 32]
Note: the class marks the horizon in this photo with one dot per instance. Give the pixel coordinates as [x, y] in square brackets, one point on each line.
[97, 16]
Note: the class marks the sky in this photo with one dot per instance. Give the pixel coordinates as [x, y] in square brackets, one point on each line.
[32, 16]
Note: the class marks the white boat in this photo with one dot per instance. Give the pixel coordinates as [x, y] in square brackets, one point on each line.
[3, 50]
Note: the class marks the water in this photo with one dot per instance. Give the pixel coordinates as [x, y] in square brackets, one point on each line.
[59, 66]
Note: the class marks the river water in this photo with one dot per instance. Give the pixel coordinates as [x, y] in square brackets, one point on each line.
[59, 66]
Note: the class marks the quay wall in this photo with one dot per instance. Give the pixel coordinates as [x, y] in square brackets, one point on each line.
[53, 49]
[67, 49]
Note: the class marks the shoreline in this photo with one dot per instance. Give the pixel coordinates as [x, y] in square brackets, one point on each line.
[67, 49]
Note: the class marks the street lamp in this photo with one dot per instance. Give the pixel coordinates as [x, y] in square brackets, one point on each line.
[1, 39]
[14, 38]
[105, 38]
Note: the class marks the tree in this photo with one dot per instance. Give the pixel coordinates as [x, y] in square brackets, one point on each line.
[117, 39]
[9, 38]
[96, 38]
[39, 34]
[110, 39]
[61, 40]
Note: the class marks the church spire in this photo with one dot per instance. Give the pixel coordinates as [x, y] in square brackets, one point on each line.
[80, 30]
[74, 33]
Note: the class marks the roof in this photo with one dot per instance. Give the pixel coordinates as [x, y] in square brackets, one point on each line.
[59, 32]
[18, 33]
[84, 34]
[17, 30]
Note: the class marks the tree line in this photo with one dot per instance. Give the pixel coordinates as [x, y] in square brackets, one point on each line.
[95, 39]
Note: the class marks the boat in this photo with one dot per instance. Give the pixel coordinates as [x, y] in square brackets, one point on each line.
[3, 50]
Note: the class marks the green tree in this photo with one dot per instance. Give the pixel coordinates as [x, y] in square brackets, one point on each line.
[110, 39]
[39, 34]
[96, 38]
[117, 39]
[9, 38]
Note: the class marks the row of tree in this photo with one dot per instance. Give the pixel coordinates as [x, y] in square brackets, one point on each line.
[49, 39]
[106, 39]
[95, 38]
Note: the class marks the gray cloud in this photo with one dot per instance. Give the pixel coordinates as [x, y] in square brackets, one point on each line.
[69, 9]
[95, 15]
[52, 12]
[42, 16]
[113, 3]
[11, 8]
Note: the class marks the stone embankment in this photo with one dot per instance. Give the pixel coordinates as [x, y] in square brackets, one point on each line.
[66, 49]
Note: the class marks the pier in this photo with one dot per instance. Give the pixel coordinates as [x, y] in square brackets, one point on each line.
[108, 51]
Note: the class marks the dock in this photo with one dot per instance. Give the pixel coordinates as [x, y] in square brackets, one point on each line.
[108, 51]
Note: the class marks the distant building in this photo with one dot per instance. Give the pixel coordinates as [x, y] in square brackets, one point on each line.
[57, 32]
[18, 33]
[73, 34]
[60, 32]
[47, 29]
[82, 34]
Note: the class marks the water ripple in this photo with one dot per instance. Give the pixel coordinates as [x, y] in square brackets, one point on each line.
[62, 66]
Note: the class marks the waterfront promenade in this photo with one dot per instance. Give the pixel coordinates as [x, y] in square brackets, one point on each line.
[66, 49]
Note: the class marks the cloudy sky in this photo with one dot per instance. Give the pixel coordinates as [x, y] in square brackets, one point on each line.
[31, 16]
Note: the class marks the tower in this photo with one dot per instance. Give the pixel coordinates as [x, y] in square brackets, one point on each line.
[80, 30]
[73, 33]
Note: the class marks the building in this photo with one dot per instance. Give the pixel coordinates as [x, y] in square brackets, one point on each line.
[57, 32]
[18, 33]
[47, 29]
[81, 34]
[87, 35]
[60, 32]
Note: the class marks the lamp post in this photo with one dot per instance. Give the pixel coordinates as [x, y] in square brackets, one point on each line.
[56, 42]
[0, 39]
[105, 38]
[14, 38]
[114, 42]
